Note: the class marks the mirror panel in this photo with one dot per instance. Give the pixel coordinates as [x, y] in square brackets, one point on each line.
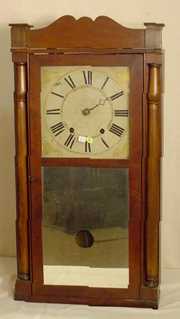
[85, 226]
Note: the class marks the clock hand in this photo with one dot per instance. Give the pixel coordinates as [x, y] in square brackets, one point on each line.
[87, 111]
[101, 102]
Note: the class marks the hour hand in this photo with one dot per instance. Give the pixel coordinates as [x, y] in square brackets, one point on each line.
[87, 110]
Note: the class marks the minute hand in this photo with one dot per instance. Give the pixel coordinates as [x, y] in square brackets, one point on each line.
[86, 111]
[101, 102]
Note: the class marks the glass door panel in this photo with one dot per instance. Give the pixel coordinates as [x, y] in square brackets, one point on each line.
[85, 226]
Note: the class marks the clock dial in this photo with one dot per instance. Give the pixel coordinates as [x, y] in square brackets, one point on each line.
[85, 112]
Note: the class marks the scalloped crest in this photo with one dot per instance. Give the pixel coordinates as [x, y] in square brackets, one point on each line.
[67, 32]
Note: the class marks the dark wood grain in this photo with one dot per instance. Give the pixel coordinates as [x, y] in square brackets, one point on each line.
[133, 164]
[60, 294]
[21, 170]
[23, 289]
[102, 42]
[52, 161]
[153, 37]
[103, 32]
[153, 176]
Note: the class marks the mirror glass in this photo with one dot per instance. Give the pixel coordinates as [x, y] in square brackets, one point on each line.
[85, 226]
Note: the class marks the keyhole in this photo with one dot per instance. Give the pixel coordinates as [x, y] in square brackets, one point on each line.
[84, 238]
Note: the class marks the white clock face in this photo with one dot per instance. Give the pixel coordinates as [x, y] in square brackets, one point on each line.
[85, 112]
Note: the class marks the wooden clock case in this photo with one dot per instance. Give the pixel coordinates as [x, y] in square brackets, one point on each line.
[84, 41]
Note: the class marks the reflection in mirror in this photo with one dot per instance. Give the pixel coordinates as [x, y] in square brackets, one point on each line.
[85, 226]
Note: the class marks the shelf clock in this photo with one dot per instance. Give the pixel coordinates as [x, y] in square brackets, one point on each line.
[87, 123]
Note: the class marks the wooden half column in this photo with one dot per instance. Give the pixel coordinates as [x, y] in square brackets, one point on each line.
[153, 176]
[21, 160]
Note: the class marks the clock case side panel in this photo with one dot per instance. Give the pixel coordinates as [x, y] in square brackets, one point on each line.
[151, 167]
[23, 237]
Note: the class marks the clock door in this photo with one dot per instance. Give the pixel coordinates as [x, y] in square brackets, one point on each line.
[86, 139]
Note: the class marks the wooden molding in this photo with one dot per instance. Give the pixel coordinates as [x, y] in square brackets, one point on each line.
[23, 289]
[21, 171]
[153, 177]
[103, 32]
[19, 35]
[153, 35]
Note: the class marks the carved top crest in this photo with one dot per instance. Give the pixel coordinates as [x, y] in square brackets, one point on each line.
[69, 33]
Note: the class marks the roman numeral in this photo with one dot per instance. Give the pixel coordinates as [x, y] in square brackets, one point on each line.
[116, 95]
[105, 82]
[104, 142]
[57, 94]
[87, 77]
[115, 129]
[70, 82]
[53, 111]
[57, 128]
[120, 112]
[70, 141]
[87, 147]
